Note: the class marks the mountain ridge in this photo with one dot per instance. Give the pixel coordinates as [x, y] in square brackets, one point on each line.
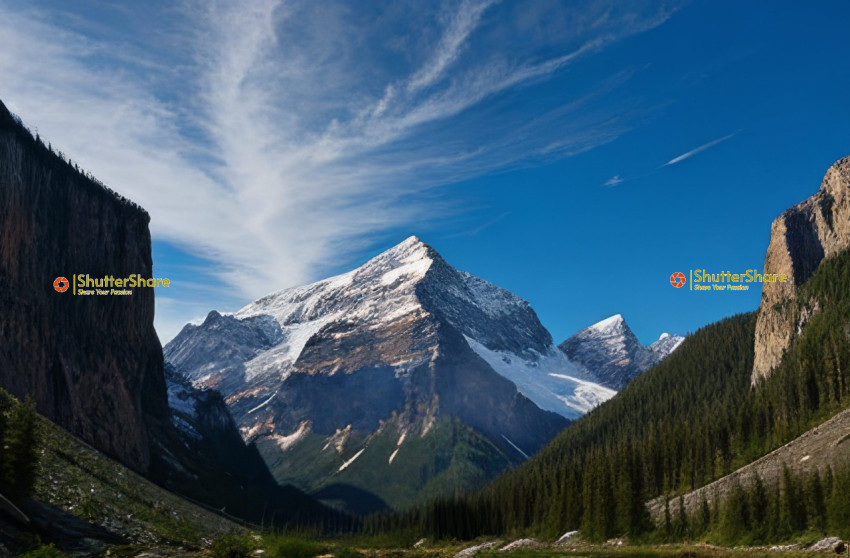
[402, 340]
[611, 350]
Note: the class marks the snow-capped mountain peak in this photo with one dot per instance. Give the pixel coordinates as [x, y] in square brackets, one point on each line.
[614, 323]
[402, 340]
[612, 352]
[666, 344]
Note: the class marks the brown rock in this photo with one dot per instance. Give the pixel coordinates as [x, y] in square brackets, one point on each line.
[800, 238]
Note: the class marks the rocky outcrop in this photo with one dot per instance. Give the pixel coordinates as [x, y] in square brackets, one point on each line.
[800, 238]
[93, 364]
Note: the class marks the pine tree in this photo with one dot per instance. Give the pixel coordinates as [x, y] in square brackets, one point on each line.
[704, 523]
[838, 507]
[759, 510]
[20, 445]
[735, 521]
[793, 507]
[816, 502]
[680, 524]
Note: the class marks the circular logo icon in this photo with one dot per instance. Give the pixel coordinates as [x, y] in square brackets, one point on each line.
[61, 284]
[677, 279]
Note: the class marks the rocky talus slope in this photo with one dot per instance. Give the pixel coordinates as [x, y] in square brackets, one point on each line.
[826, 445]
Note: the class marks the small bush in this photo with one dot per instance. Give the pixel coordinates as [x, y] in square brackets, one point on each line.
[293, 547]
[45, 551]
[232, 545]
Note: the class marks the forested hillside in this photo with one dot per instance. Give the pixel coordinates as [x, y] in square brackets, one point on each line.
[686, 422]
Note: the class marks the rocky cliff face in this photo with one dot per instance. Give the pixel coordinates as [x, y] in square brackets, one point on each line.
[93, 364]
[611, 351]
[386, 377]
[800, 238]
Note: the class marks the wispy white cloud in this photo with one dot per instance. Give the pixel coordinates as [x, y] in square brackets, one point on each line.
[476, 230]
[461, 24]
[613, 181]
[270, 138]
[698, 150]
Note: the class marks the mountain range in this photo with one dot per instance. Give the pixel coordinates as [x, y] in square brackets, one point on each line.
[739, 437]
[400, 380]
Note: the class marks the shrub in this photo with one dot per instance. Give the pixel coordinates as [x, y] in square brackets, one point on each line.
[293, 547]
[44, 551]
[232, 545]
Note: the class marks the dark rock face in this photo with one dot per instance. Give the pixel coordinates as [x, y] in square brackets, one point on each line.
[93, 364]
[207, 460]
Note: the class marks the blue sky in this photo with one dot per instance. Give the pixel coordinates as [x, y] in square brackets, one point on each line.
[576, 153]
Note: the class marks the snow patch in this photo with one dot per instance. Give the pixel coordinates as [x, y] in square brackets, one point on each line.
[350, 461]
[286, 442]
[415, 270]
[263, 404]
[552, 381]
[586, 395]
[608, 324]
[180, 400]
[513, 445]
[566, 536]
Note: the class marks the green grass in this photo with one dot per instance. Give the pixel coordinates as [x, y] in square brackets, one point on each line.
[46, 551]
[84, 482]
[283, 546]
[451, 458]
[652, 551]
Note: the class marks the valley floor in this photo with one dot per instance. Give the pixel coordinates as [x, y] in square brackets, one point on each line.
[289, 547]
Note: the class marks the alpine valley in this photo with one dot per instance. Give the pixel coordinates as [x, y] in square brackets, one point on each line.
[400, 380]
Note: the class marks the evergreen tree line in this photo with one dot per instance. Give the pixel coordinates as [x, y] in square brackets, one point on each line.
[19, 443]
[759, 514]
[54, 160]
[688, 421]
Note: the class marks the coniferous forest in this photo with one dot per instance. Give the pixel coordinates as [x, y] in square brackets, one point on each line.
[692, 419]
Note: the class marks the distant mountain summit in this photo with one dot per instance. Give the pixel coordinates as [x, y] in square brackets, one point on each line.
[401, 379]
[612, 352]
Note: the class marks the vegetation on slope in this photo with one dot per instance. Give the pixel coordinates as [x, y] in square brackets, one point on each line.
[69, 481]
[688, 421]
